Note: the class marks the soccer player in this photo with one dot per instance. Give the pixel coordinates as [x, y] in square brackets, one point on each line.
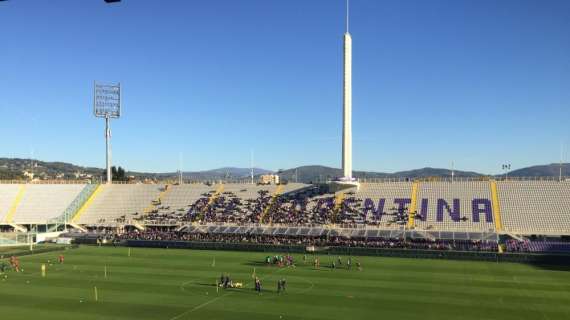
[61, 258]
[17, 265]
[226, 281]
[349, 263]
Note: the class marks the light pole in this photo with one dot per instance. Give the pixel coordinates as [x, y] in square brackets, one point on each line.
[561, 157]
[452, 171]
[251, 164]
[506, 168]
[107, 105]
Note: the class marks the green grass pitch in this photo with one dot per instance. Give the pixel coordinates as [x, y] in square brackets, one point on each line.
[170, 284]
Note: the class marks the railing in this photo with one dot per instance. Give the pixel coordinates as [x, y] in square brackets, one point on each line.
[45, 182]
[460, 179]
[75, 205]
[395, 233]
[551, 178]
[84, 181]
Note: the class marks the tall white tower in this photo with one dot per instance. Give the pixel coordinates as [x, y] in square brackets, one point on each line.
[347, 105]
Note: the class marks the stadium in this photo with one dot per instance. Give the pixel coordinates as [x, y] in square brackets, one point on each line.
[266, 247]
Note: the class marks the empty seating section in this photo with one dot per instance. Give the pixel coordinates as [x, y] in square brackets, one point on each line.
[537, 246]
[535, 207]
[549, 246]
[42, 202]
[457, 206]
[8, 193]
[120, 202]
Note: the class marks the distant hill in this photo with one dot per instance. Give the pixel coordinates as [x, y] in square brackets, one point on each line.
[549, 170]
[434, 172]
[15, 168]
[321, 173]
[316, 173]
[224, 173]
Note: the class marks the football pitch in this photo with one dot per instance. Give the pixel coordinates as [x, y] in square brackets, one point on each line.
[171, 284]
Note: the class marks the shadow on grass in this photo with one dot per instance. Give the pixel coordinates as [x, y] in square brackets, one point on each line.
[550, 262]
[256, 264]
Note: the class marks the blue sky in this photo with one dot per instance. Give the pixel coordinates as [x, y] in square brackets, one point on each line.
[478, 82]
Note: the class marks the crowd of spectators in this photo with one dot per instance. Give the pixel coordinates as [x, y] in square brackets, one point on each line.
[299, 209]
[322, 241]
[513, 245]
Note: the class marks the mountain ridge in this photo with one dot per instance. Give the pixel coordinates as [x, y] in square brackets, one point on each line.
[17, 168]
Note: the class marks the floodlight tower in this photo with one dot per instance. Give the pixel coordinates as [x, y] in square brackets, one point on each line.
[347, 105]
[107, 104]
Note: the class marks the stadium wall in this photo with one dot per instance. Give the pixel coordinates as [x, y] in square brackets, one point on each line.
[546, 259]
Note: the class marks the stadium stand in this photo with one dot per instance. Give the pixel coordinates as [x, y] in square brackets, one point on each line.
[42, 202]
[236, 203]
[382, 203]
[428, 208]
[174, 205]
[119, 203]
[308, 240]
[535, 207]
[8, 193]
[537, 246]
[243, 203]
[461, 205]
